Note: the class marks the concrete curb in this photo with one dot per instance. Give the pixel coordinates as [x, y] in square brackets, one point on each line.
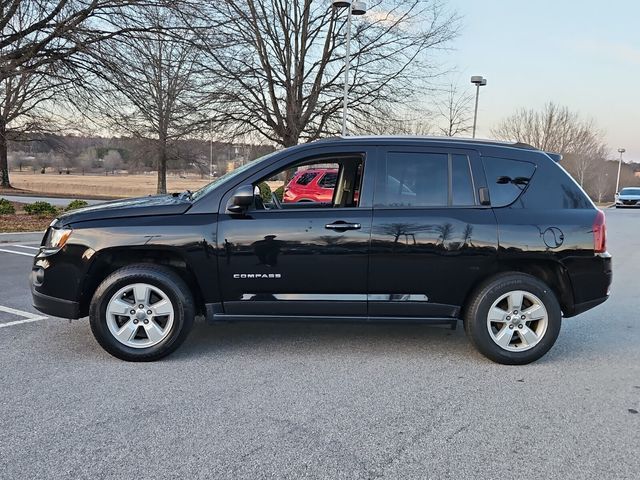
[21, 237]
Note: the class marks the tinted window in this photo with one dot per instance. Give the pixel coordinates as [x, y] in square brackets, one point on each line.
[506, 179]
[306, 178]
[329, 180]
[462, 186]
[414, 179]
[630, 191]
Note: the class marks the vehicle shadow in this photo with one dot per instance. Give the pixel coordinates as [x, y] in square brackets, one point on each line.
[319, 338]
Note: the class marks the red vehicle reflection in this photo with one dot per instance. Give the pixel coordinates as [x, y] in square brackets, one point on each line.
[311, 185]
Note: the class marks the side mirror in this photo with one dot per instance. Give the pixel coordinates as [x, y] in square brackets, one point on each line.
[241, 200]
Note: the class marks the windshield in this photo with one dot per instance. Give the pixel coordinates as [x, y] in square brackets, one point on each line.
[227, 176]
[630, 191]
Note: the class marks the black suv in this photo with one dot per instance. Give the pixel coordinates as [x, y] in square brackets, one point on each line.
[418, 229]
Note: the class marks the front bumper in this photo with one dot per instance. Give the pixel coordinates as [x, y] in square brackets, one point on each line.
[48, 295]
[56, 307]
[627, 203]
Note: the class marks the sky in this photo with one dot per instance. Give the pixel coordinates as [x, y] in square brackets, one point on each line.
[584, 54]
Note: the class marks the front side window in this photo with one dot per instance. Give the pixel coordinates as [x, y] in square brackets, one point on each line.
[328, 181]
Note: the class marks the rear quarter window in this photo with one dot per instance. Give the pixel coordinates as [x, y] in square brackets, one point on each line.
[507, 179]
[551, 188]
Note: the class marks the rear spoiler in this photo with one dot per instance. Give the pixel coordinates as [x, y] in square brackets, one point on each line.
[556, 157]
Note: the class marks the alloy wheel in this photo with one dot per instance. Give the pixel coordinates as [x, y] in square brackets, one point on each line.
[140, 315]
[517, 321]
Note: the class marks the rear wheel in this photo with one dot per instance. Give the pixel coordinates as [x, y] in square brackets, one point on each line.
[513, 319]
[141, 313]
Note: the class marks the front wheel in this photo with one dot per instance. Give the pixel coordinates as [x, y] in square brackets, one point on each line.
[513, 319]
[141, 312]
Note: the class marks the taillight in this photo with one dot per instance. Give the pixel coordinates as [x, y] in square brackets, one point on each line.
[599, 233]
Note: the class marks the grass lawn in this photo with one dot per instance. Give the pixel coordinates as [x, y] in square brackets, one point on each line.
[98, 186]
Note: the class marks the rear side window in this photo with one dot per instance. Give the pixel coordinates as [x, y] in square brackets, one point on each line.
[506, 179]
[306, 178]
[414, 179]
[461, 184]
[423, 179]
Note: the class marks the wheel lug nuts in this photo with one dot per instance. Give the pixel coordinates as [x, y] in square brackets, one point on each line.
[149, 312]
[132, 312]
[522, 317]
[515, 312]
[511, 327]
[135, 321]
[508, 318]
[146, 321]
[520, 326]
[140, 306]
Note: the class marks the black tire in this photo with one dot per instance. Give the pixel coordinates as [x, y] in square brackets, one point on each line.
[161, 277]
[477, 310]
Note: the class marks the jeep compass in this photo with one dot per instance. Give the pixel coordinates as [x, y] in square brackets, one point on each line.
[414, 229]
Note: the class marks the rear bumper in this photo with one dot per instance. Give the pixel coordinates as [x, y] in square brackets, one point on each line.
[591, 284]
[583, 307]
[56, 307]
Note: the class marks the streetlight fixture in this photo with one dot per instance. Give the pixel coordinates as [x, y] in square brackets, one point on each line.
[620, 151]
[478, 81]
[354, 8]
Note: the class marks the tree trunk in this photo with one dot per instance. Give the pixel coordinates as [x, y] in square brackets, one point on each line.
[289, 141]
[4, 164]
[162, 165]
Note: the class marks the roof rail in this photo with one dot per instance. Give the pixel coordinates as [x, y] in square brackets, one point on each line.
[556, 157]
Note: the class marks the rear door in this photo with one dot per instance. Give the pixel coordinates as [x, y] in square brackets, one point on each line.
[431, 239]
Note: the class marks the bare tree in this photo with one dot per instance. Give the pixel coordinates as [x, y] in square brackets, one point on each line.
[112, 161]
[39, 39]
[455, 111]
[602, 184]
[149, 84]
[280, 65]
[557, 129]
[414, 121]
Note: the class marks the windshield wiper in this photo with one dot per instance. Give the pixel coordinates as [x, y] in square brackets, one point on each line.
[186, 194]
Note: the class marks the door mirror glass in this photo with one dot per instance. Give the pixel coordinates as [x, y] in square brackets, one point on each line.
[241, 200]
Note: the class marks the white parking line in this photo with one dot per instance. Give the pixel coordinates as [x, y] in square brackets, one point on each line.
[26, 246]
[16, 253]
[30, 317]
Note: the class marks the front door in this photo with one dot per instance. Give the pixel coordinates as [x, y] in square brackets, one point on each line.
[284, 257]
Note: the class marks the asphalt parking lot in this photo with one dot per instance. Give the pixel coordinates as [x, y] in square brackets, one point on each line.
[322, 401]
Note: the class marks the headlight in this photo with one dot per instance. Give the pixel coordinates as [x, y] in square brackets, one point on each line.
[57, 237]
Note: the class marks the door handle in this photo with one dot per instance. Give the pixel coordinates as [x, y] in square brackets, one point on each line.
[340, 225]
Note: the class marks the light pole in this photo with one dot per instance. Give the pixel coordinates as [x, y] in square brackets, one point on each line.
[211, 148]
[353, 8]
[620, 151]
[478, 81]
